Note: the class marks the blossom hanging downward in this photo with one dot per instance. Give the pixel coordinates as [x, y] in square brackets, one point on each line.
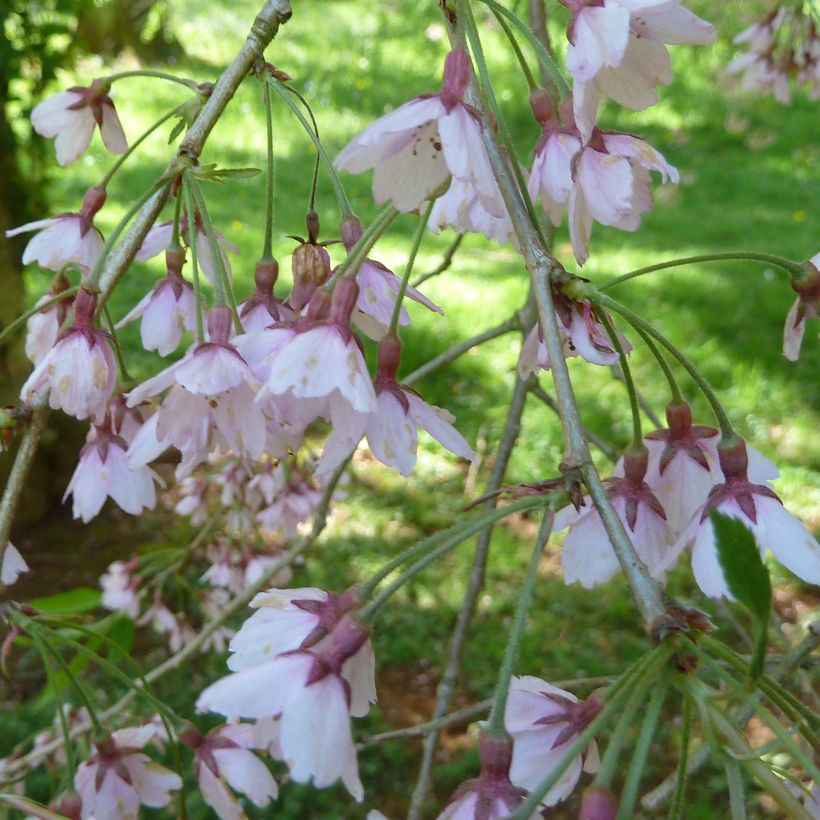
[211, 386]
[167, 310]
[118, 777]
[223, 761]
[307, 688]
[80, 371]
[416, 147]
[103, 471]
[759, 509]
[67, 239]
[806, 306]
[392, 429]
[588, 556]
[44, 326]
[71, 117]
[544, 722]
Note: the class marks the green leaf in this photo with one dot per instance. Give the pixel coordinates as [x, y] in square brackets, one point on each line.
[73, 602]
[747, 578]
[121, 635]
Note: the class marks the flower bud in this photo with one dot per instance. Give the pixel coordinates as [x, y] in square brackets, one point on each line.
[598, 804]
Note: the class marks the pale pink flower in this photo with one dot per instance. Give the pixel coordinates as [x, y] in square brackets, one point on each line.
[619, 48]
[285, 620]
[223, 761]
[120, 588]
[588, 557]
[13, 565]
[160, 237]
[213, 603]
[71, 117]
[103, 471]
[544, 722]
[80, 371]
[67, 239]
[257, 565]
[294, 503]
[211, 385]
[416, 147]
[491, 795]
[167, 310]
[307, 688]
[612, 186]
[117, 778]
[759, 509]
[162, 620]
[551, 175]
[43, 327]
[392, 429]
[806, 306]
[461, 208]
[581, 334]
[262, 308]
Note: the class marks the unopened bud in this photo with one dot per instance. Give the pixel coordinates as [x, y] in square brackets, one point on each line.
[541, 105]
[598, 804]
[311, 264]
[351, 231]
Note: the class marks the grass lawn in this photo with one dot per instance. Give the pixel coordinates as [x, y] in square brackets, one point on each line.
[749, 181]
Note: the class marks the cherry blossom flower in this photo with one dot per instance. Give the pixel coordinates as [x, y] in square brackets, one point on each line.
[581, 334]
[294, 503]
[71, 117]
[213, 603]
[588, 556]
[211, 385]
[461, 208]
[80, 371]
[162, 620]
[683, 466]
[491, 795]
[161, 236]
[66, 239]
[612, 186]
[551, 175]
[806, 306]
[167, 310]
[759, 509]
[223, 761]
[117, 778]
[619, 49]
[103, 471]
[392, 429]
[44, 326]
[544, 721]
[416, 147]
[307, 688]
[120, 588]
[13, 565]
[262, 309]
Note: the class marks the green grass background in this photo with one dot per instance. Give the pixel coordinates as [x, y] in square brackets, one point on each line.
[749, 181]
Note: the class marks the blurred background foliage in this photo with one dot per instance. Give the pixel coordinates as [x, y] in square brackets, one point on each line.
[749, 180]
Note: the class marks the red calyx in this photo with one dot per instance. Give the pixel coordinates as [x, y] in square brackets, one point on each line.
[93, 200]
[598, 804]
[458, 72]
[633, 488]
[577, 715]
[682, 436]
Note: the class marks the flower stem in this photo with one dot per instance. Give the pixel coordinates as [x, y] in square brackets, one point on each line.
[23, 318]
[417, 239]
[125, 377]
[679, 798]
[267, 247]
[200, 322]
[93, 277]
[223, 290]
[495, 725]
[369, 611]
[781, 262]
[726, 429]
[677, 397]
[146, 72]
[637, 434]
[522, 60]
[282, 90]
[175, 235]
[318, 160]
[137, 142]
[561, 87]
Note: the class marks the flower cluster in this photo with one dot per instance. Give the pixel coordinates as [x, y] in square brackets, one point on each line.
[782, 51]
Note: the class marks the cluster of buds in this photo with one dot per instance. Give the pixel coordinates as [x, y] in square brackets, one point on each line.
[783, 50]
